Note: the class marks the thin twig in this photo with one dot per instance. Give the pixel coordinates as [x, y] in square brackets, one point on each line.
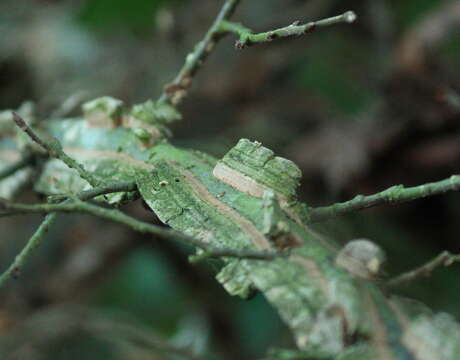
[177, 89]
[140, 226]
[35, 241]
[122, 186]
[247, 38]
[18, 165]
[443, 259]
[394, 195]
[54, 149]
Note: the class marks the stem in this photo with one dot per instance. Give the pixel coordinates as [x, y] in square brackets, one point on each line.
[140, 226]
[36, 239]
[54, 149]
[394, 195]
[177, 89]
[234, 27]
[443, 259]
[247, 38]
[122, 186]
[34, 242]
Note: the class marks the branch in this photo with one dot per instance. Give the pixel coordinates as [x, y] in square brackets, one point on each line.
[122, 186]
[247, 38]
[393, 195]
[140, 226]
[34, 242]
[18, 165]
[54, 149]
[36, 239]
[177, 89]
[443, 259]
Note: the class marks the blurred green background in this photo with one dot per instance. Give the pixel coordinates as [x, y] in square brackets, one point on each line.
[359, 108]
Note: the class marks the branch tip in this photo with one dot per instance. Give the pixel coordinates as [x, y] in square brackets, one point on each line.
[442, 260]
[19, 121]
[246, 37]
[393, 195]
[350, 17]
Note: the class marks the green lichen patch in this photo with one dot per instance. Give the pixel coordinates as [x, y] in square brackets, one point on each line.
[149, 121]
[259, 164]
[434, 337]
[235, 278]
[103, 112]
[111, 154]
[178, 203]
[151, 112]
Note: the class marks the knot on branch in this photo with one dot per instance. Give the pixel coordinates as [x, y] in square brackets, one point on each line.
[178, 90]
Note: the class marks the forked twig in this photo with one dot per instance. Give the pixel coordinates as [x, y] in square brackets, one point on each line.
[443, 259]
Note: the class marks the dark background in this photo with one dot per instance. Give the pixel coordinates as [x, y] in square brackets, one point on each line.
[359, 108]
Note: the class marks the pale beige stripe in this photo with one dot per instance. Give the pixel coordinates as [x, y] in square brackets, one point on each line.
[251, 187]
[257, 237]
[238, 180]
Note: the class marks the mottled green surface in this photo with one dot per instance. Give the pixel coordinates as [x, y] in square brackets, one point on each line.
[330, 312]
[259, 163]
